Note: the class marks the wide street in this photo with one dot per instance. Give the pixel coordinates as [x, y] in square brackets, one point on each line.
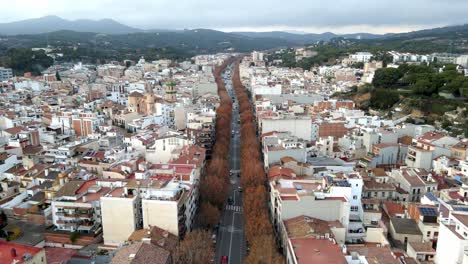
[230, 238]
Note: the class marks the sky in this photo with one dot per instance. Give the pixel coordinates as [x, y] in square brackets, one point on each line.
[313, 16]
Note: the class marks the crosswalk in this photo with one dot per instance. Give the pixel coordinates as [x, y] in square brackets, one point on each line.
[234, 208]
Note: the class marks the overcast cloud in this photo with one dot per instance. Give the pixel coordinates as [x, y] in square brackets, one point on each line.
[340, 16]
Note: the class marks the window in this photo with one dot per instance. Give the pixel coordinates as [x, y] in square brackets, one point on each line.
[428, 233]
[383, 194]
[355, 197]
[354, 208]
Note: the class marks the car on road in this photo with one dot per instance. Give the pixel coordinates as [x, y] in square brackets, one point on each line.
[230, 200]
[239, 189]
[224, 260]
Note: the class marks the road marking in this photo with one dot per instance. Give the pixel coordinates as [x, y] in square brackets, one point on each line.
[235, 208]
[230, 242]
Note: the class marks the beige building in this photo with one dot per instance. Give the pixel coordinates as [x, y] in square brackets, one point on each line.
[113, 206]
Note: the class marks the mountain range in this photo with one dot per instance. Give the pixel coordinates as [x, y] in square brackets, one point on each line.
[54, 23]
[49, 24]
[107, 35]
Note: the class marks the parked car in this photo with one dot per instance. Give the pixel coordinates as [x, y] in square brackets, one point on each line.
[224, 260]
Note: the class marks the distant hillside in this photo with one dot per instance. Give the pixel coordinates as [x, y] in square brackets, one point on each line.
[54, 23]
[452, 39]
[178, 45]
[309, 38]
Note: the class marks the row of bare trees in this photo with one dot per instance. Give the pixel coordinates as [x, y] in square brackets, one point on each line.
[214, 184]
[258, 228]
[197, 246]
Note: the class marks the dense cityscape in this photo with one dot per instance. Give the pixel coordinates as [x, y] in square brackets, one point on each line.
[257, 150]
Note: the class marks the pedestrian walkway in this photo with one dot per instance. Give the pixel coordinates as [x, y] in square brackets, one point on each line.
[234, 208]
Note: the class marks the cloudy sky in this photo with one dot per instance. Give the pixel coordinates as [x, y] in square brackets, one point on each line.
[340, 16]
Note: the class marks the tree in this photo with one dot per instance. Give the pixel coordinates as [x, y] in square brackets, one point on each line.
[74, 236]
[57, 76]
[209, 215]
[196, 248]
[424, 87]
[25, 60]
[14, 233]
[263, 251]
[383, 98]
[258, 228]
[3, 219]
[386, 77]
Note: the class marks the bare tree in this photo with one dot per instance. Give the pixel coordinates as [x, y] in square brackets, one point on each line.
[196, 248]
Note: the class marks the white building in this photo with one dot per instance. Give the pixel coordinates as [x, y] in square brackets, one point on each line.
[453, 240]
[300, 127]
[360, 57]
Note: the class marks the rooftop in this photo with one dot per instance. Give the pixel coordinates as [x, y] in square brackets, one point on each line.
[7, 247]
[140, 253]
[405, 226]
[311, 250]
[374, 254]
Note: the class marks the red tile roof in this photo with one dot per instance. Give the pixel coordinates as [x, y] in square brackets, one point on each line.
[277, 171]
[6, 256]
[311, 250]
[393, 209]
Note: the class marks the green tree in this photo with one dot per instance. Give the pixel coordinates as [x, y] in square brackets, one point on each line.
[386, 77]
[424, 87]
[57, 76]
[74, 236]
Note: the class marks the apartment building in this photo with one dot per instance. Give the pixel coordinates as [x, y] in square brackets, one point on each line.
[300, 127]
[330, 199]
[114, 205]
[162, 195]
[426, 217]
[5, 74]
[302, 233]
[277, 145]
[85, 124]
[76, 208]
[417, 182]
[385, 154]
[428, 146]
[360, 57]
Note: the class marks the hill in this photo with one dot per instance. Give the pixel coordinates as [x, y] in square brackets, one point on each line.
[54, 23]
[308, 38]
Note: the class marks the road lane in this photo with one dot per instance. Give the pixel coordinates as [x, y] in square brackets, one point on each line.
[230, 238]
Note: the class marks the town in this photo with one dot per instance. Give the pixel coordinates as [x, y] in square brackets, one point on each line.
[234, 158]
